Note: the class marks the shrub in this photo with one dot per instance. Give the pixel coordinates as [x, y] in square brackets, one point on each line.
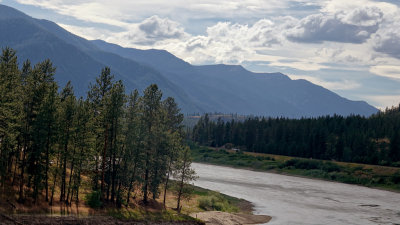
[330, 167]
[93, 199]
[216, 202]
[205, 203]
[396, 178]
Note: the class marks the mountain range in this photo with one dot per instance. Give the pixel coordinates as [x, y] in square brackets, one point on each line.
[197, 89]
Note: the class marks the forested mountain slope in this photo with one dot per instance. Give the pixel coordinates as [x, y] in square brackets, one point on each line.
[197, 89]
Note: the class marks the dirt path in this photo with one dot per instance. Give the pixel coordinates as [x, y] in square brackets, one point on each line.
[224, 218]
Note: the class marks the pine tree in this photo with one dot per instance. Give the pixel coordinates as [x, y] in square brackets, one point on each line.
[184, 175]
[151, 110]
[10, 108]
[99, 95]
[67, 111]
[134, 147]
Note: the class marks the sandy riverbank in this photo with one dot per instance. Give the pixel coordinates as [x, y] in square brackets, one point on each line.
[224, 218]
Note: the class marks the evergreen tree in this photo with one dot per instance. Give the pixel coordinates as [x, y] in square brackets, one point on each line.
[150, 107]
[184, 175]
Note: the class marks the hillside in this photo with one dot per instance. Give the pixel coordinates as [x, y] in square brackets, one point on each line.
[75, 58]
[197, 89]
[230, 88]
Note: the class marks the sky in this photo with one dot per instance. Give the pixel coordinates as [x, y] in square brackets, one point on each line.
[351, 47]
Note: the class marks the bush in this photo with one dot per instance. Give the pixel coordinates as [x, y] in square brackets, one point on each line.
[330, 167]
[309, 164]
[396, 178]
[93, 199]
[216, 202]
[205, 203]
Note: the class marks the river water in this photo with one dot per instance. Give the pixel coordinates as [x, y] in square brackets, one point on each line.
[296, 200]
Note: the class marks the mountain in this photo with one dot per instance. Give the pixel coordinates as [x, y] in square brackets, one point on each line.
[228, 88]
[211, 88]
[77, 59]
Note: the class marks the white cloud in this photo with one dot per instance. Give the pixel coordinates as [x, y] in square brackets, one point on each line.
[387, 40]
[116, 11]
[331, 85]
[90, 11]
[383, 101]
[292, 35]
[90, 33]
[154, 29]
[391, 71]
[354, 26]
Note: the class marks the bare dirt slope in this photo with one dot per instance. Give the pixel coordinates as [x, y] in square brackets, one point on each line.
[224, 218]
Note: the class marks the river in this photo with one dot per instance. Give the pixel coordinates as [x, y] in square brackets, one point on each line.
[296, 200]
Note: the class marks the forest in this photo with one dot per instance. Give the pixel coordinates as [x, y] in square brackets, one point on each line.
[372, 140]
[122, 144]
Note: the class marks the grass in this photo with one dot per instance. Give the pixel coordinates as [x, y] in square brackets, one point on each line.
[383, 177]
[139, 214]
[206, 200]
[214, 201]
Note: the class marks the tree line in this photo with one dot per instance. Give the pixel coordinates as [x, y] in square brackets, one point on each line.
[49, 140]
[372, 140]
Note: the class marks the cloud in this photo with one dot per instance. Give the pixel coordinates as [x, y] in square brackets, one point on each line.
[154, 29]
[387, 40]
[355, 26]
[388, 43]
[365, 16]
[383, 101]
[161, 28]
[89, 33]
[390, 71]
[112, 12]
[294, 36]
[336, 85]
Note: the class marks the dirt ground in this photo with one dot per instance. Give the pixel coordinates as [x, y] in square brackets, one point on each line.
[223, 218]
[72, 220]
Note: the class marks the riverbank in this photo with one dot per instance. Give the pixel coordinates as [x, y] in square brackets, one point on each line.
[380, 177]
[223, 218]
[202, 201]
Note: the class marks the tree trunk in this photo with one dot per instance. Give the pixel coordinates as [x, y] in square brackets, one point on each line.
[178, 207]
[131, 183]
[146, 179]
[58, 166]
[64, 167]
[47, 163]
[166, 182]
[21, 177]
[114, 169]
[103, 163]
[70, 177]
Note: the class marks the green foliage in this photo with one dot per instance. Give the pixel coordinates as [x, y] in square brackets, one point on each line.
[141, 215]
[308, 164]
[216, 202]
[328, 170]
[93, 199]
[396, 178]
[50, 140]
[373, 140]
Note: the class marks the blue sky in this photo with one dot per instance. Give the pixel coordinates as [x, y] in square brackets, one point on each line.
[350, 47]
